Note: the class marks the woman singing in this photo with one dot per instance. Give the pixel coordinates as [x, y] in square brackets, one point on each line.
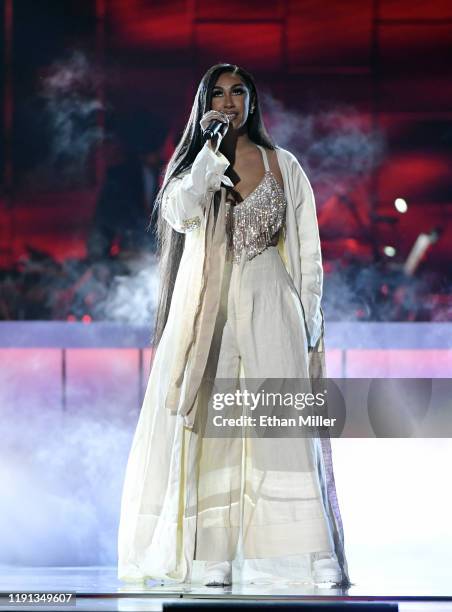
[241, 285]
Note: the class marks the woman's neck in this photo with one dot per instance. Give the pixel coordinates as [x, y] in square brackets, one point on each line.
[234, 143]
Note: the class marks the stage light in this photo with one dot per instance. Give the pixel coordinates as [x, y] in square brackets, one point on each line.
[86, 318]
[419, 249]
[401, 205]
[389, 251]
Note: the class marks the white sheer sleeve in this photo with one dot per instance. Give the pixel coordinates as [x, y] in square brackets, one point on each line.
[310, 257]
[184, 199]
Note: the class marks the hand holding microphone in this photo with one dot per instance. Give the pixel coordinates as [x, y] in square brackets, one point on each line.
[213, 127]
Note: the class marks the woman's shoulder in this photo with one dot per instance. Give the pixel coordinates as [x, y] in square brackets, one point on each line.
[287, 157]
[284, 153]
[291, 162]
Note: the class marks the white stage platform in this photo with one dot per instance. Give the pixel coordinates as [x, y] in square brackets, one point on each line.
[97, 588]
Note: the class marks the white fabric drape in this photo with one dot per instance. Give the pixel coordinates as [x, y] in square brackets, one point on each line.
[160, 502]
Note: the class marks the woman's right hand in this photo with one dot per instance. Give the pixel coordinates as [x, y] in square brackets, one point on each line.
[214, 143]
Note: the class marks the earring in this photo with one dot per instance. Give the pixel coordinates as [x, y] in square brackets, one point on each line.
[252, 110]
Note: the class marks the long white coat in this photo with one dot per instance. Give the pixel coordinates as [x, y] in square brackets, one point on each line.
[157, 530]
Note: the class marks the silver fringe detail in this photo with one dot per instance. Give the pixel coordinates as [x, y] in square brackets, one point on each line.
[252, 225]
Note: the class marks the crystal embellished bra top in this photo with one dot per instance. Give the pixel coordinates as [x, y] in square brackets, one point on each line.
[253, 224]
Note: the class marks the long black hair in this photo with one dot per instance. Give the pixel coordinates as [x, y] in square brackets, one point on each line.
[171, 243]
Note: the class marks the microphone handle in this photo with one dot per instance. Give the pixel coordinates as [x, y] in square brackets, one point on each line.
[213, 129]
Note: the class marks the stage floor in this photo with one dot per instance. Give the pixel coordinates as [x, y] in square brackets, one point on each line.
[97, 588]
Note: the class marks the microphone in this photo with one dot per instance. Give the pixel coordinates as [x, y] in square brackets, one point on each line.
[212, 129]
